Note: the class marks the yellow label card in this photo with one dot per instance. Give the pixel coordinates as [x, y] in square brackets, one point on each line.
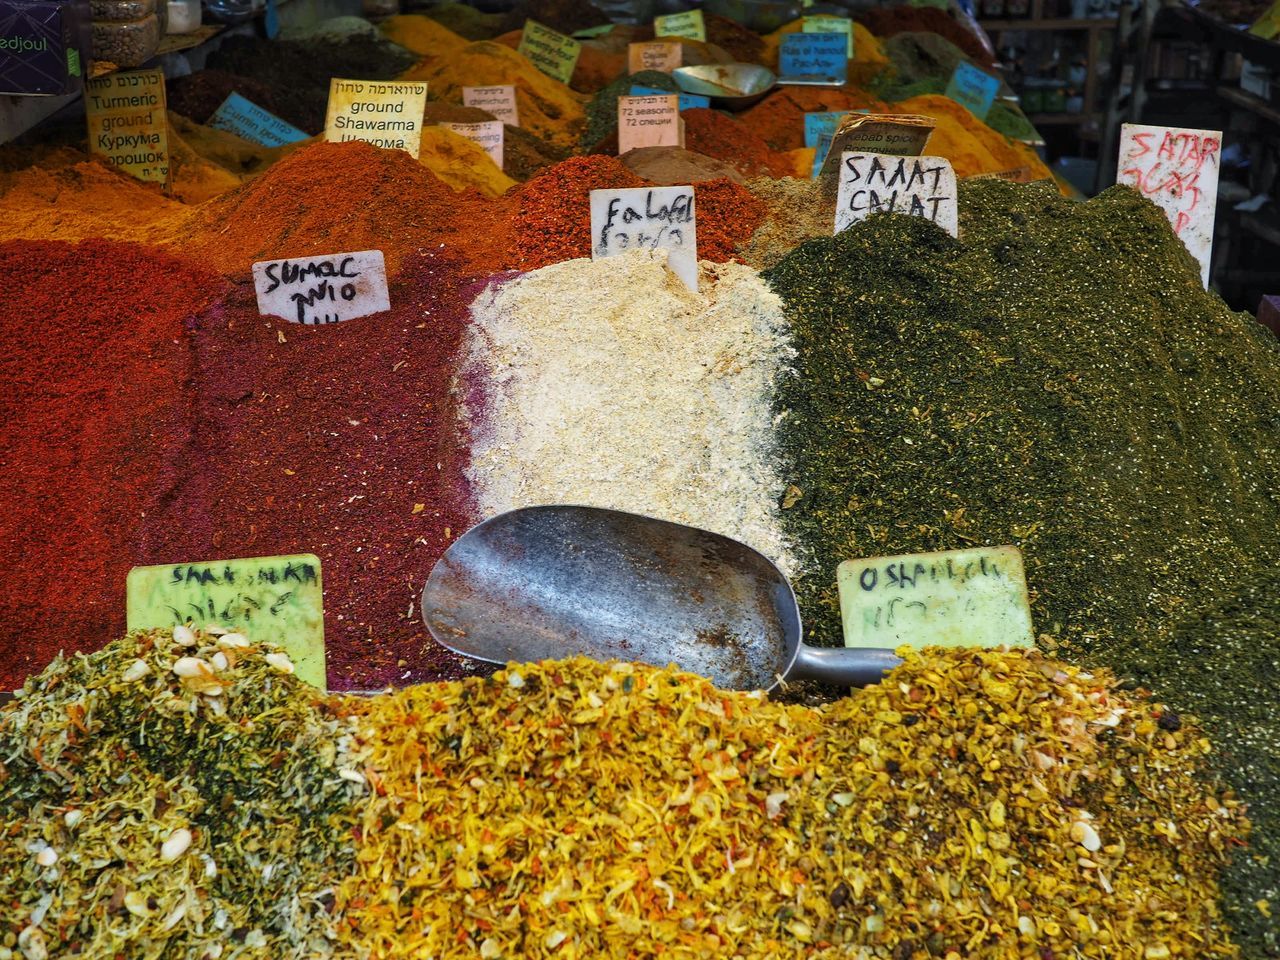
[127, 123]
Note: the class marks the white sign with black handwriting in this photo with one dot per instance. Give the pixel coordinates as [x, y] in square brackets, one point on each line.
[880, 183]
[647, 218]
[325, 289]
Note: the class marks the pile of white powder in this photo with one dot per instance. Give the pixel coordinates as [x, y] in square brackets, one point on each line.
[608, 383]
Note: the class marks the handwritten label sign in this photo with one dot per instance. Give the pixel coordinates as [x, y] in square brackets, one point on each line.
[827, 24]
[387, 114]
[318, 290]
[899, 135]
[273, 599]
[915, 186]
[128, 127]
[688, 24]
[647, 218]
[488, 135]
[1177, 169]
[663, 56]
[687, 100]
[500, 101]
[813, 58]
[553, 53]
[816, 124]
[649, 122]
[248, 120]
[973, 88]
[953, 598]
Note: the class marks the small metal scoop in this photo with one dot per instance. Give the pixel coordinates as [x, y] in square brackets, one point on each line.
[558, 581]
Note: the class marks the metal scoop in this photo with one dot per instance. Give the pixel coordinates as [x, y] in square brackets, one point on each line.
[558, 581]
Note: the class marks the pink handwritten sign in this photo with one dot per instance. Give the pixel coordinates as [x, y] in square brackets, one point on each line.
[1177, 169]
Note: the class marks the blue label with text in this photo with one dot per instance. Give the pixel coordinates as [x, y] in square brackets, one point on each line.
[813, 56]
[973, 88]
[822, 148]
[816, 124]
[687, 100]
[248, 120]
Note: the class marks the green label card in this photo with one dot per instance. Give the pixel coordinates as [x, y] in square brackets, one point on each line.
[954, 598]
[276, 599]
[553, 53]
[690, 25]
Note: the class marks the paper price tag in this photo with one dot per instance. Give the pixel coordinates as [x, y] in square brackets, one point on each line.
[649, 122]
[320, 290]
[553, 53]
[488, 134]
[387, 114]
[500, 101]
[826, 24]
[1177, 169]
[817, 58]
[816, 124]
[953, 598]
[914, 186]
[973, 89]
[128, 127]
[902, 135]
[647, 218]
[248, 120]
[690, 24]
[661, 56]
[279, 600]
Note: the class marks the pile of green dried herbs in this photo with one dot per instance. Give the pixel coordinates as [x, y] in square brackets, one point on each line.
[1056, 379]
[177, 794]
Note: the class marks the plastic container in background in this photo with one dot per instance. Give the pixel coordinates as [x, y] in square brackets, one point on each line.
[184, 16]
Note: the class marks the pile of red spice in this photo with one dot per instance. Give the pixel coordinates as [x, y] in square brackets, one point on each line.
[778, 119]
[329, 198]
[884, 22]
[719, 135]
[728, 214]
[94, 427]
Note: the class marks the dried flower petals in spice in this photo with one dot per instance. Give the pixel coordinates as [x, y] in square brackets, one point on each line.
[615, 810]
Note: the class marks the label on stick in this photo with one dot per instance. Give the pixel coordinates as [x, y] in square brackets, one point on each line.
[647, 218]
[688, 24]
[902, 135]
[387, 113]
[1177, 169]
[953, 598]
[274, 599]
[128, 127]
[488, 135]
[827, 24]
[553, 53]
[973, 88]
[248, 120]
[663, 56]
[649, 122]
[500, 101]
[816, 58]
[914, 186]
[320, 290]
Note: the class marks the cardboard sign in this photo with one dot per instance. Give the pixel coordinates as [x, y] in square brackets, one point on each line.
[973, 88]
[953, 598]
[915, 186]
[274, 599]
[661, 56]
[688, 24]
[647, 218]
[387, 114]
[687, 100]
[488, 134]
[649, 122]
[328, 289]
[553, 53]
[813, 58]
[827, 24]
[1177, 169]
[248, 120]
[901, 135]
[500, 101]
[816, 124]
[128, 127]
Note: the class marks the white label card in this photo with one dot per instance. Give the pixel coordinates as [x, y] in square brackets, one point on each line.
[649, 122]
[1177, 169]
[880, 183]
[488, 135]
[500, 101]
[647, 218]
[324, 289]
